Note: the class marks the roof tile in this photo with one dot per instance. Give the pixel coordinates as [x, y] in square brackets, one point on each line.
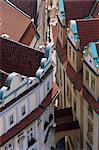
[88, 31]
[28, 6]
[16, 57]
[13, 22]
[75, 9]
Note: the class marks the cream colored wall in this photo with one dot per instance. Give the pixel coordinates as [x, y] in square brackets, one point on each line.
[95, 122]
[96, 131]
[6, 121]
[61, 83]
[96, 92]
[85, 124]
[70, 59]
[77, 63]
[61, 34]
[1, 125]
[40, 134]
[97, 87]
[31, 101]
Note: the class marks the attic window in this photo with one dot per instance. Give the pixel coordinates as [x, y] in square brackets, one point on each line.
[90, 61]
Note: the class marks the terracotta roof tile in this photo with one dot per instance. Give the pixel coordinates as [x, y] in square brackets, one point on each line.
[30, 118]
[16, 57]
[75, 77]
[88, 31]
[75, 9]
[61, 52]
[13, 22]
[65, 112]
[28, 6]
[67, 126]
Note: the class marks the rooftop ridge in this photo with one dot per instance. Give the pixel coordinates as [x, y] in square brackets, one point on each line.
[86, 19]
[18, 9]
[21, 44]
[2, 71]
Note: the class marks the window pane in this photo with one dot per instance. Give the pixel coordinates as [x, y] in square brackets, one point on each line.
[11, 119]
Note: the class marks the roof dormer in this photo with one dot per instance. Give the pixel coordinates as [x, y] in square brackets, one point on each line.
[91, 56]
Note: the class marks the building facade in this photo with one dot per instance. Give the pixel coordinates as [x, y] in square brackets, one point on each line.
[70, 74]
[27, 106]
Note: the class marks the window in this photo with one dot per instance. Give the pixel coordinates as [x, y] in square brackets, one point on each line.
[70, 51]
[11, 120]
[30, 139]
[75, 107]
[9, 146]
[93, 83]
[23, 111]
[48, 86]
[87, 77]
[73, 56]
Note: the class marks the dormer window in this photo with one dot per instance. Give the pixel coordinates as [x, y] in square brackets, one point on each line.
[90, 61]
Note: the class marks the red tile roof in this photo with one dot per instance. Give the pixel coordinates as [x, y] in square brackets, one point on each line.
[63, 115]
[28, 6]
[67, 126]
[75, 77]
[75, 9]
[12, 22]
[30, 118]
[65, 112]
[90, 99]
[16, 57]
[62, 52]
[88, 31]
